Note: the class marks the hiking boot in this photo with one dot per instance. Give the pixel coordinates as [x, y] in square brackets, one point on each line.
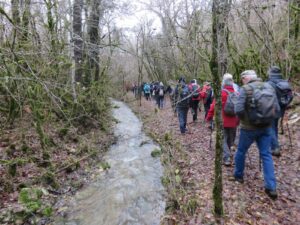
[272, 194]
[237, 179]
[233, 148]
[276, 152]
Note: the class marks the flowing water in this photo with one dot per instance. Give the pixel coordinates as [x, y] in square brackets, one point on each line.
[130, 192]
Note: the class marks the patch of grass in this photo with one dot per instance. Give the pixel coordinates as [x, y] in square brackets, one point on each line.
[63, 132]
[165, 180]
[167, 136]
[156, 153]
[105, 165]
[191, 206]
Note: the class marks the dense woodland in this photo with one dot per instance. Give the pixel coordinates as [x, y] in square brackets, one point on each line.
[60, 61]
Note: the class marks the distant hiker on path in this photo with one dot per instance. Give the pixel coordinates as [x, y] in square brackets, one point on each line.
[182, 103]
[196, 96]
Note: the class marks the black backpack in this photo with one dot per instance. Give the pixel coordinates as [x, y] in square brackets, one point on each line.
[283, 91]
[262, 103]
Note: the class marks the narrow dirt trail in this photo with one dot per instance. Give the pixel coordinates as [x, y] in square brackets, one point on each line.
[243, 204]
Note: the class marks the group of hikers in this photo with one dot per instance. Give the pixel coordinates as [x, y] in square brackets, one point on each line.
[153, 91]
[254, 109]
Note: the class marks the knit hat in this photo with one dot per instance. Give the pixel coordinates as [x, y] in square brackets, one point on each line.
[274, 72]
[181, 79]
[194, 81]
[249, 73]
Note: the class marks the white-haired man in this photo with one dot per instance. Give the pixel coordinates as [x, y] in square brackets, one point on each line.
[251, 132]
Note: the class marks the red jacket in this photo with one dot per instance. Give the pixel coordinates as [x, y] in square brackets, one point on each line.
[228, 121]
[199, 91]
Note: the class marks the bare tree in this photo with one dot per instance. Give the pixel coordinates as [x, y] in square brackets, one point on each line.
[77, 38]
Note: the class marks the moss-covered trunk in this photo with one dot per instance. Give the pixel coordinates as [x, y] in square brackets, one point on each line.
[218, 65]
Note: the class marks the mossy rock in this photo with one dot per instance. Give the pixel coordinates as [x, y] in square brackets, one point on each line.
[156, 153]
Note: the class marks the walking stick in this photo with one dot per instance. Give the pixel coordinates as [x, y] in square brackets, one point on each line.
[281, 125]
[289, 133]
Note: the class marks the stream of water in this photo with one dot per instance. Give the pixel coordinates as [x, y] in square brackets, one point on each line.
[130, 192]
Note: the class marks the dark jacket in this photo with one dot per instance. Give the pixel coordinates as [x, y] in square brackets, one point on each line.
[273, 81]
[178, 99]
[241, 108]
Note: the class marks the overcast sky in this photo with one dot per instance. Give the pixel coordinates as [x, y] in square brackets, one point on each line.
[137, 16]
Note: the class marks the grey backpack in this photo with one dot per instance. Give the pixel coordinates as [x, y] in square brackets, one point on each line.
[232, 98]
[262, 103]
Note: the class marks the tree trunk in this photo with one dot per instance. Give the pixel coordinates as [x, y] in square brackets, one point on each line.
[218, 65]
[77, 38]
[93, 32]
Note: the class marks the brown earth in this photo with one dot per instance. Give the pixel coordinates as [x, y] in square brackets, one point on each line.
[189, 174]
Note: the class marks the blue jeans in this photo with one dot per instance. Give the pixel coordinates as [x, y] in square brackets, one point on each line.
[263, 140]
[274, 138]
[182, 116]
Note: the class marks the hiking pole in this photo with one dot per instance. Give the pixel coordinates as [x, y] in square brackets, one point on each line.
[281, 125]
[260, 162]
[210, 139]
[289, 133]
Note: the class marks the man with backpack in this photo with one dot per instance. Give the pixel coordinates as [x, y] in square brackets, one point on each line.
[195, 90]
[230, 120]
[147, 91]
[285, 96]
[161, 95]
[257, 106]
[182, 99]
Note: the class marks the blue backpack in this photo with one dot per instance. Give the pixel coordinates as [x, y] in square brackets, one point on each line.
[147, 88]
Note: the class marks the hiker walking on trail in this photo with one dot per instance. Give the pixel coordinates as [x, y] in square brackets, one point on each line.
[230, 121]
[207, 96]
[196, 96]
[147, 91]
[285, 96]
[257, 106]
[236, 90]
[182, 103]
[161, 95]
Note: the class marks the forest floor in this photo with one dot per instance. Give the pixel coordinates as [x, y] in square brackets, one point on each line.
[189, 174]
[74, 159]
